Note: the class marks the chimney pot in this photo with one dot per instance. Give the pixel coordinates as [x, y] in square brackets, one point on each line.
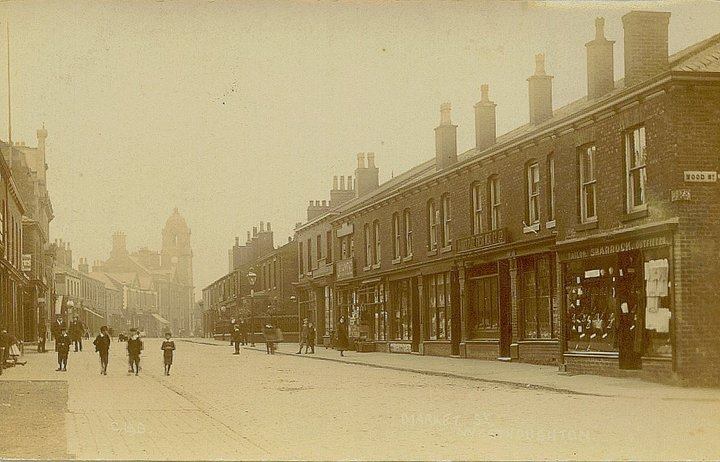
[324, 203]
[268, 226]
[445, 139]
[342, 182]
[445, 109]
[484, 92]
[370, 160]
[361, 160]
[335, 183]
[262, 227]
[350, 184]
[600, 66]
[311, 203]
[237, 241]
[540, 64]
[255, 231]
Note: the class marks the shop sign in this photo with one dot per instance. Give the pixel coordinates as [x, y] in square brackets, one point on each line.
[610, 249]
[694, 176]
[26, 262]
[321, 271]
[345, 269]
[483, 240]
[345, 230]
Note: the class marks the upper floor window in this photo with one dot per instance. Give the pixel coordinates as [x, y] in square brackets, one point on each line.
[396, 235]
[551, 187]
[446, 218]
[309, 255]
[2, 222]
[408, 233]
[477, 208]
[533, 193]
[636, 174]
[328, 246]
[432, 225]
[376, 236]
[318, 249]
[344, 247]
[587, 184]
[494, 194]
[368, 246]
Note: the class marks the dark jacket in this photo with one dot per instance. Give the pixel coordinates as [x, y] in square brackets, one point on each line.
[102, 343]
[63, 343]
[237, 335]
[168, 346]
[311, 335]
[134, 347]
[342, 336]
[77, 329]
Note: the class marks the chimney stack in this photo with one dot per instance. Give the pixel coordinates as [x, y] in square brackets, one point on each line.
[645, 35]
[262, 227]
[600, 68]
[485, 129]
[366, 176]
[540, 92]
[445, 139]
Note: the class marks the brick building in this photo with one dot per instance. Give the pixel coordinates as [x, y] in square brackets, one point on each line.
[586, 238]
[271, 298]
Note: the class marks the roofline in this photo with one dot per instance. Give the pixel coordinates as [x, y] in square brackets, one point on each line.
[534, 137]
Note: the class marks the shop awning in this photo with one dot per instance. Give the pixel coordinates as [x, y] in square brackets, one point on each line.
[94, 313]
[160, 319]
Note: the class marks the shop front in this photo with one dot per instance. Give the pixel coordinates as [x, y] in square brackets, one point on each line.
[618, 307]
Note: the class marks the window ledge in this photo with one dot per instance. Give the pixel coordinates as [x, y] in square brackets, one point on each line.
[408, 258]
[397, 260]
[637, 214]
[533, 228]
[550, 224]
[376, 266]
[432, 253]
[446, 249]
[586, 226]
[367, 268]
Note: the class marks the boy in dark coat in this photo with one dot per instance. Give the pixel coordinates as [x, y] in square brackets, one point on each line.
[134, 347]
[168, 347]
[237, 339]
[102, 346]
[310, 339]
[62, 343]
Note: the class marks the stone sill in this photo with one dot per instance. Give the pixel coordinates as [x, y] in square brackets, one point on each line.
[636, 215]
[408, 258]
[533, 228]
[587, 226]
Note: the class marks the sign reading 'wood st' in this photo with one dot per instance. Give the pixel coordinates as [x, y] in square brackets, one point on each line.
[700, 177]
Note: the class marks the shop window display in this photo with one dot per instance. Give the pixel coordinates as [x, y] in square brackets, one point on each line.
[620, 303]
[438, 316]
[400, 329]
[536, 297]
[483, 310]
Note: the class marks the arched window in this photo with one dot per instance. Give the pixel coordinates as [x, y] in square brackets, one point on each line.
[408, 233]
[376, 237]
[432, 213]
[368, 245]
[446, 218]
[533, 192]
[494, 202]
[396, 235]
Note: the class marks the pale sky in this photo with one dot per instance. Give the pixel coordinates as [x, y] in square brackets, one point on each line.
[237, 112]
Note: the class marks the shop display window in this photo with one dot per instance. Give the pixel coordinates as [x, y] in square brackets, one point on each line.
[401, 296]
[620, 302]
[483, 307]
[438, 306]
[535, 297]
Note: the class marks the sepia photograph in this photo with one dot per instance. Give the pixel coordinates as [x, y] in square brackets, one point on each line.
[268, 230]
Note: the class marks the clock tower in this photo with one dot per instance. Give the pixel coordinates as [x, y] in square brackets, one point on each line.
[176, 252]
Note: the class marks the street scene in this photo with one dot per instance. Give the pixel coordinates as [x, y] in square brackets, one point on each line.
[353, 230]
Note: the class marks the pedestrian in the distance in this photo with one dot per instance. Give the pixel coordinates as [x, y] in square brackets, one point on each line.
[342, 335]
[237, 339]
[311, 339]
[133, 331]
[102, 346]
[243, 331]
[4, 345]
[135, 347]
[56, 328]
[42, 336]
[168, 347]
[303, 335]
[62, 344]
[76, 333]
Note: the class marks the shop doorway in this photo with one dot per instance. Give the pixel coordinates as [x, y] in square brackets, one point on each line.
[504, 308]
[415, 303]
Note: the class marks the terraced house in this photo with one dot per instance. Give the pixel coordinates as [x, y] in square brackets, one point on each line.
[586, 238]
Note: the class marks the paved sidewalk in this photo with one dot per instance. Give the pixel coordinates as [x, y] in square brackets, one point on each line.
[507, 373]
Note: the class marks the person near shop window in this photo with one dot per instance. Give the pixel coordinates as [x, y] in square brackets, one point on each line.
[342, 335]
[629, 337]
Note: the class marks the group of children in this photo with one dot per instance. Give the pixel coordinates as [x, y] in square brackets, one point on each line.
[102, 347]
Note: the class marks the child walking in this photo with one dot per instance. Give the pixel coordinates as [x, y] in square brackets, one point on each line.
[134, 347]
[168, 346]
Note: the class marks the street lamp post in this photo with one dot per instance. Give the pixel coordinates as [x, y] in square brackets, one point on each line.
[252, 277]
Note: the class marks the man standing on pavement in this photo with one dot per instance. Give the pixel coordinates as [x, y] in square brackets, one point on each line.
[243, 331]
[310, 339]
[102, 346]
[62, 344]
[236, 339]
[55, 330]
[303, 335]
[134, 347]
[77, 329]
